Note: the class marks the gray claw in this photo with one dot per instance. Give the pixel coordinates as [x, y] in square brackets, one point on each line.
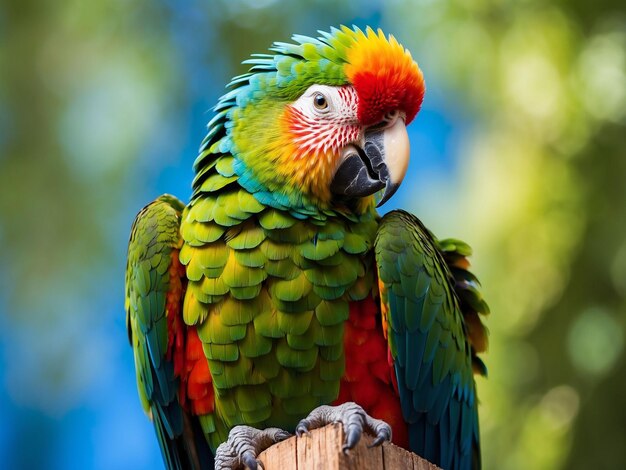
[303, 428]
[244, 444]
[250, 461]
[383, 435]
[353, 436]
[354, 420]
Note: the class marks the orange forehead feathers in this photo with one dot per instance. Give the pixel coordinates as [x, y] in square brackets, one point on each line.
[385, 77]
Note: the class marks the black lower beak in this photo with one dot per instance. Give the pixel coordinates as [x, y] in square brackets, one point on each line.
[380, 164]
[363, 171]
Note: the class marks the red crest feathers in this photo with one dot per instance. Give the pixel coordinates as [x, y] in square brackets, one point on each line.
[385, 77]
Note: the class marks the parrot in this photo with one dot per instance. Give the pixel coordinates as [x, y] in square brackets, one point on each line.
[278, 299]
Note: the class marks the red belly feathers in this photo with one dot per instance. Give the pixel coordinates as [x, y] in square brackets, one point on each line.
[369, 379]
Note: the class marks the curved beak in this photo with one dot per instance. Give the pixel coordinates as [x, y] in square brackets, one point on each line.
[381, 162]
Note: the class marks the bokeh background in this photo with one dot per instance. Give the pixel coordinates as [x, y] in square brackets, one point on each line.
[520, 150]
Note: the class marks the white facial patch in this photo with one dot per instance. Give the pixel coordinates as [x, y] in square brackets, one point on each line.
[326, 117]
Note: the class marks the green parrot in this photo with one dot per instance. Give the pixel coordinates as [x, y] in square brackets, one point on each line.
[278, 299]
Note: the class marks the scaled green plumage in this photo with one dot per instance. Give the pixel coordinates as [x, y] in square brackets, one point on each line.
[265, 297]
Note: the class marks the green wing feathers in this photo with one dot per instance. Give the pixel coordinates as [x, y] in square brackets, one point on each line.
[151, 292]
[430, 305]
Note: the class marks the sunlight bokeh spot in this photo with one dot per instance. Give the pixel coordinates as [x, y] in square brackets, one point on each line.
[559, 406]
[595, 341]
[602, 74]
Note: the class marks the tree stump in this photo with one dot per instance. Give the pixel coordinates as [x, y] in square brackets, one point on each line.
[322, 451]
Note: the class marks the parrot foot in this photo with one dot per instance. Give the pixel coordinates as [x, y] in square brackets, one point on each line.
[244, 444]
[354, 420]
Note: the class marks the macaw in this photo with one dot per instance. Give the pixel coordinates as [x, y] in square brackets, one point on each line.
[278, 299]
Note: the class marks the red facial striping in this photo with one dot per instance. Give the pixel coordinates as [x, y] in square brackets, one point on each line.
[323, 133]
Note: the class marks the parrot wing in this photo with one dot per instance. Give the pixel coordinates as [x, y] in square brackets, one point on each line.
[429, 305]
[154, 288]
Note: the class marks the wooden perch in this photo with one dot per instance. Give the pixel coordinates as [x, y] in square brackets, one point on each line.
[322, 451]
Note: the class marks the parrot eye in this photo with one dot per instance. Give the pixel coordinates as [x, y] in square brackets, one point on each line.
[320, 102]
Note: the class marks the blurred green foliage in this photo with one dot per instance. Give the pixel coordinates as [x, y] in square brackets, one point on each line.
[540, 195]
[99, 100]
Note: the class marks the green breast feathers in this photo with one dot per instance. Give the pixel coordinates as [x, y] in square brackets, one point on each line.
[269, 294]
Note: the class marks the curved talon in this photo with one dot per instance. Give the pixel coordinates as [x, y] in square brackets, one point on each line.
[244, 444]
[301, 433]
[353, 435]
[354, 420]
[303, 428]
[382, 431]
[382, 436]
[250, 461]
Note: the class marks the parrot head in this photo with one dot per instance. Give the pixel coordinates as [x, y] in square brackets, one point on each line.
[322, 122]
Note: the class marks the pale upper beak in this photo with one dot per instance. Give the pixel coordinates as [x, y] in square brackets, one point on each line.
[380, 162]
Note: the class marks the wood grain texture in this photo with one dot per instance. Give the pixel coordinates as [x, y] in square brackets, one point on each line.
[322, 450]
